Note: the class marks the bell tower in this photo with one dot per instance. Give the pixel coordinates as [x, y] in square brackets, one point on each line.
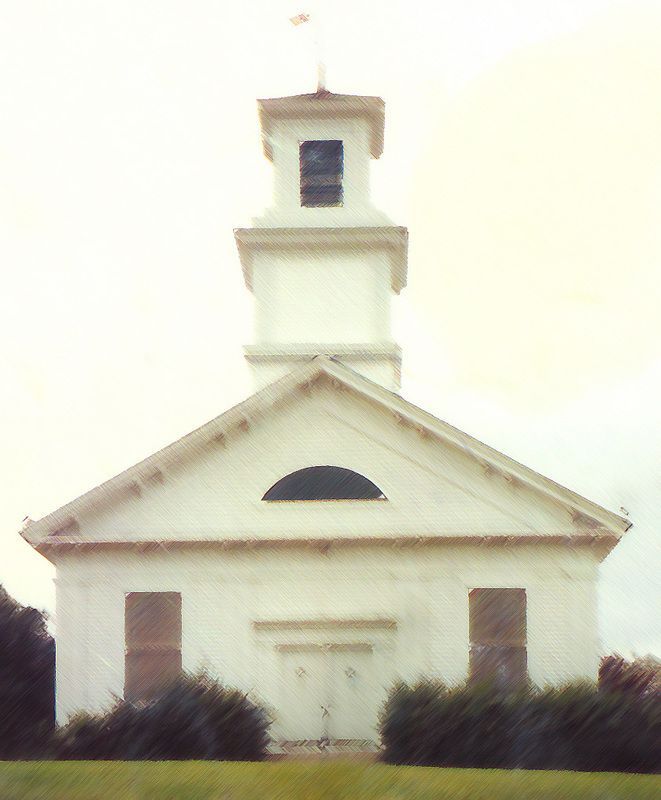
[322, 262]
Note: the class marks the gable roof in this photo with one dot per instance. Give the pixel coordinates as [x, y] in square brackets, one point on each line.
[64, 520]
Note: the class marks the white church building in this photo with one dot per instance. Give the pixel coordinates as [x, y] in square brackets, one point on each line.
[324, 538]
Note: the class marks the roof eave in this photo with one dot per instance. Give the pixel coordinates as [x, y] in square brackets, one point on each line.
[600, 544]
[323, 105]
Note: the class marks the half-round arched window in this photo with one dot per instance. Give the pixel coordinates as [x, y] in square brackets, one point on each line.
[324, 483]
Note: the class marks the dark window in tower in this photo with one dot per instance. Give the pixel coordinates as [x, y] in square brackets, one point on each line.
[322, 167]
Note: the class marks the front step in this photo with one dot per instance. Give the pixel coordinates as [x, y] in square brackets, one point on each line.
[363, 749]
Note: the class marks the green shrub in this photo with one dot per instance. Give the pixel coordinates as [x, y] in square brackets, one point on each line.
[196, 718]
[575, 727]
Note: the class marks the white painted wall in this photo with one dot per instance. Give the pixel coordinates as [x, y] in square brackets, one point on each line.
[338, 296]
[223, 593]
[318, 300]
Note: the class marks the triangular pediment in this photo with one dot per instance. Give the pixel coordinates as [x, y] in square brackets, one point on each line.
[439, 482]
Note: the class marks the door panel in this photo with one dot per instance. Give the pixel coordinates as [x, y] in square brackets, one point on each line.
[354, 695]
[303, 680]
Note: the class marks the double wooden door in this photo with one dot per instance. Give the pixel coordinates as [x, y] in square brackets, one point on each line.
[328, 692]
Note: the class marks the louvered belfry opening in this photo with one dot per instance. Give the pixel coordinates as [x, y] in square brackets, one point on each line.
[497, 621]
[153, 644]
[322, 168]
[324, 483]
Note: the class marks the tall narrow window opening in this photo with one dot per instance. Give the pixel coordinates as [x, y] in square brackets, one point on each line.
[322, 167]
[497, 621]
[153, 643]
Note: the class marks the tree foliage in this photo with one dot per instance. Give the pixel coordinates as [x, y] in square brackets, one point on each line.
[27, 680]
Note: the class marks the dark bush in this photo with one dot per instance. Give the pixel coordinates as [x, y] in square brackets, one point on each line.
[196, 718]
[411, 721]
[587, 729]
[641, 677]
[575, 727]
[27, 681]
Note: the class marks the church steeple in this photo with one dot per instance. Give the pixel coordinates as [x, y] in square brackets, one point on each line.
[322, 261]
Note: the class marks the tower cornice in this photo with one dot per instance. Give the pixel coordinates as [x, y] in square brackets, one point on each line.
[390, 239]
[323, 105]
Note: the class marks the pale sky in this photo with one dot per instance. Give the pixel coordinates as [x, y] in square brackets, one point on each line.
[522, 150]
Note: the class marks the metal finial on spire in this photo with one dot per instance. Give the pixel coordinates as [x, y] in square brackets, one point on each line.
[321, 76]
[299, 19]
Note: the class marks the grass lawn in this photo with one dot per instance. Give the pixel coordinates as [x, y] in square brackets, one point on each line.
[293, 780]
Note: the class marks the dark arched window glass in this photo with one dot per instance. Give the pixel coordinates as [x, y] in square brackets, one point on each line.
[324, 483]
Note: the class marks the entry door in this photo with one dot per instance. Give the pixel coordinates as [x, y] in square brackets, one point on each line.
[331, 692]
[355, 694]
[303, 712]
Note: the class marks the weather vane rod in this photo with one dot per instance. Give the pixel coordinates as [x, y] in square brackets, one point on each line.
[300, 19]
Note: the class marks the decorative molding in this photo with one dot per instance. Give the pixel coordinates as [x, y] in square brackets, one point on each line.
[325, 647]
[601, 538]
[389, 238]
[305, 351]
[489, 470]
[133, 489]
[353, 355]
[513, 481]
[581, 520]
[377, 623]
[323, 105]
[155, 477]
[69, 528]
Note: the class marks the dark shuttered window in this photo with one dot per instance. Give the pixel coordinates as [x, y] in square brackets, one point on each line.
[153, 643]
[497, 620]
[322, 167]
